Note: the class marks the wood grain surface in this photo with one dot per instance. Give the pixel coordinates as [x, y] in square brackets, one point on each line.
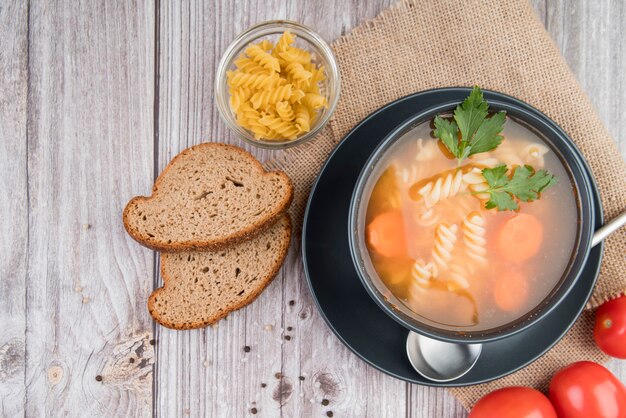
[96, 97]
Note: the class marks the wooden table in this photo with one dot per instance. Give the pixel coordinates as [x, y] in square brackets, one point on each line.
[95, 98]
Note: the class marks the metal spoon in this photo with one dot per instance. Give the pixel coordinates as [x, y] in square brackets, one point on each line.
[440, 361]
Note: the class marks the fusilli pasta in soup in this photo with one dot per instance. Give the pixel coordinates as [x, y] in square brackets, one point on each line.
[433, 246]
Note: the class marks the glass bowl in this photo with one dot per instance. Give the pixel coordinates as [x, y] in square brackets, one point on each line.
[306, 39]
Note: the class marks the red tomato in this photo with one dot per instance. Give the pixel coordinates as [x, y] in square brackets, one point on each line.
[513, 402]
[610, 330]
[587, 390]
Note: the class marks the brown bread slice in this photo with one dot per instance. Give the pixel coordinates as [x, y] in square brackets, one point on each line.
[208, 197]
[202, 287]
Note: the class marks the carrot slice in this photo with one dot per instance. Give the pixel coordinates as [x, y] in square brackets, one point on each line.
[385, 234]
[511, 290]
[520, 238]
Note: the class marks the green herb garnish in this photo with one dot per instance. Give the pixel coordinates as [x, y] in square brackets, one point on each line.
[525, 184]
[477, 132]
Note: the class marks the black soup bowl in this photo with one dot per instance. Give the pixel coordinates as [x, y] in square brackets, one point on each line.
[572, 160]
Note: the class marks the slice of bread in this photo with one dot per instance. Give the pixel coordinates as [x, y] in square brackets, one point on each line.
[199, 288]
[208, 197]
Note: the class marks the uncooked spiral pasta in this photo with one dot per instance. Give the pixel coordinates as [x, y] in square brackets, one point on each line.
[264, 59]
[445, 240]
[314, 101]
[263, 98]
[282, 84]
[285, 129]
[254, 81]
[248, 66]
[445, 186]
[285, 111]
[474, 232]
[302, 118]
[294, 54]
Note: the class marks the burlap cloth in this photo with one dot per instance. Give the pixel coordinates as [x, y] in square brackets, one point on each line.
[419, 45]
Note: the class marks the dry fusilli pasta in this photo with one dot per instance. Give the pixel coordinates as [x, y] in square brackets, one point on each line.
[274, 90]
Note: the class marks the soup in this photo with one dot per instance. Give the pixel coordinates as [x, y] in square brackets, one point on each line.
[436, 250]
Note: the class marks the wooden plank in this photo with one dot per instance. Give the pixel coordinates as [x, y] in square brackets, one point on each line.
[590, 35]
[90, 147]
[14, 205]
[206, 371]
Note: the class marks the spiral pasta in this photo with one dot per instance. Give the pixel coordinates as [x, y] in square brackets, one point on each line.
[474, 232]
[298, 73]
[281, 84]
[422, 272]
[314, 101]
[533, 154]
[444, 187]
[263, 98]
[302, 118]
[445, 240]
[285, 111]
[426, 150]
[506, 154]
[254, 81]
[263, 58]
[276, 124]
[476, 183]
[427, 218]
[248, 66]
[456, 277]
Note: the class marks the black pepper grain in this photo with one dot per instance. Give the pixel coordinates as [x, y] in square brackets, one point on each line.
[151, 342]
[99, 378]
[301, 377]
[292, 302]
[131, 360]
[288, 337]
[278, 375]
[246, 349]
[325, 402]
[253, 411]
[289, 328]
[263, 385]
[329, 413]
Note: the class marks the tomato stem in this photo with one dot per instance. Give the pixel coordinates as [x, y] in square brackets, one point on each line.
[608, 323]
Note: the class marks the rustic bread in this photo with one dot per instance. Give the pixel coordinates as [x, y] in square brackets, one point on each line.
[208, 197]
[202, 287]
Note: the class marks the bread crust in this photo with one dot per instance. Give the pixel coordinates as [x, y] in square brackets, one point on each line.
[284, 249]
[215, 244]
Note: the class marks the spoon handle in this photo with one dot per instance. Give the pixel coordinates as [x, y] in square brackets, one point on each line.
[608, 229]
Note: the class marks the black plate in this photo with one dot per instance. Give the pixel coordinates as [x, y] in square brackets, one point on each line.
[341, 298]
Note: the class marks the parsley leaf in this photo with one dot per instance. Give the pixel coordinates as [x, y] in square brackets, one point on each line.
[525, 184]
[470, 114]
[478, 133]
[488, 134]
[448, 132]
